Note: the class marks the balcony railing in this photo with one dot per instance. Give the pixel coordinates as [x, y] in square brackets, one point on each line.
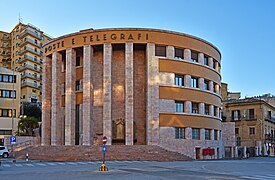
[27, 40]
[26, 66]
[31, 76]
[6, 54]
[5, 46]
[270, 137]
[27, 31]
[26, 57]
[26, 83]
[30, 50]
[243, 117]
[5, 38]
[270, 119]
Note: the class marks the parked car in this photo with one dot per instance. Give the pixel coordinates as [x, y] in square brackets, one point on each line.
[4, 152]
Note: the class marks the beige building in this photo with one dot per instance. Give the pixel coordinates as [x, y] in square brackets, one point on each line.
[22, 47]
[137, 87]
[9, 102]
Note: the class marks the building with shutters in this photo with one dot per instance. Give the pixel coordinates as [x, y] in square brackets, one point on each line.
[136, 86]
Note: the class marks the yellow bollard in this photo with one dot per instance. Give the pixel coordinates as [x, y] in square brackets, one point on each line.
[103, 167]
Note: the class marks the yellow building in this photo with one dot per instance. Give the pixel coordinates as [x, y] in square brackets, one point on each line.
[23, 48]
[9, 102]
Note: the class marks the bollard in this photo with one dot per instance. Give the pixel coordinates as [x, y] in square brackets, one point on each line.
[27, 157]
[103, 167]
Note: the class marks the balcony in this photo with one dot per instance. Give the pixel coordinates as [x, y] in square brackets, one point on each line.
[34, 85]
[27, 41]
[5, 38]
[39, 78]
[244, 117]
[28, 49]
[270, 119]
[6, 54]
[29, 32]
[5, 46]
[26, 66]
[270, 137]
[29, 58]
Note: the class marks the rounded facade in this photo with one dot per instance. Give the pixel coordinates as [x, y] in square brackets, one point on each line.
[135, 86]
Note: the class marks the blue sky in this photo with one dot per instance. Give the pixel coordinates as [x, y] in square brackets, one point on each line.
[243, 30]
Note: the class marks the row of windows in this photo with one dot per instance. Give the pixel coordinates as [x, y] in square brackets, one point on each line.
[5, 132]
[179, 107]
[77, 63]
[179, 81]
[7, 93]
[180, 134]
[179, 54]
[7, 113]
[7, 78]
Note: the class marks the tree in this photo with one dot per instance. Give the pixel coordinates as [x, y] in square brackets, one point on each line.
[26, 126]
[31, 110]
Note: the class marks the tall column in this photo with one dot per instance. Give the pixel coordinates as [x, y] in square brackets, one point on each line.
[210, 62]
[201, 58]
[170, 52]
[202, 134]
[129, 93]
[152, 108]
[46, 101]
[187, 106]
[88, 121]
[201, 108]
[187, 54]
[201, 83]
[70, 97]
[56, 122]
[211, 112]
[107, 92]
[187, 81]
[211, 86]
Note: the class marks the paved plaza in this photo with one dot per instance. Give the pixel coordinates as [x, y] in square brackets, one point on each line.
[253, 168]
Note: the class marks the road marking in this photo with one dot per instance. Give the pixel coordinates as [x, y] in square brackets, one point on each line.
[82, 163]
[60, 163]
[6, 165]
[18, 165]
[72, 163]
[259, 177]
[30, 165]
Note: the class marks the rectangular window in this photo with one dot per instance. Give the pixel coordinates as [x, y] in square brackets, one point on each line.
[195, 133]
[215, 134]
[179, 53]
[179, 80]
[236, 131]
[7, 94]
[214, 64]
[194, 82]
[206, 109]
[160, 51]
[5, 132]
[195, 108]
[194, 56]
[207, 134]
[235, 115]
[251, 130]
[7, 113]
[77, 61]
[77, 85]
[251, 114]
[179, 106]
[205, 60]
[206, 85]
[179, 133]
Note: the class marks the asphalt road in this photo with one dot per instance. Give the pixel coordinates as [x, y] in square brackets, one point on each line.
[253, 168]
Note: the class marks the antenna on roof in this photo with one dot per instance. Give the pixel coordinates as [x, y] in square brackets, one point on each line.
[20, 19]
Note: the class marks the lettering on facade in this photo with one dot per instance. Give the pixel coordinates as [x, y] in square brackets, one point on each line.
[99, 37]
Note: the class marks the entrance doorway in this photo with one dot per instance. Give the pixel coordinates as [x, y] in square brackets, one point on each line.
[198, 153]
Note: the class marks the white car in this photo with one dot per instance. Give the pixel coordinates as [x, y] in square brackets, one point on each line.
[4, 152]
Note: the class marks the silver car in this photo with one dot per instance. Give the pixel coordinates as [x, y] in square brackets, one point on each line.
[4, 152]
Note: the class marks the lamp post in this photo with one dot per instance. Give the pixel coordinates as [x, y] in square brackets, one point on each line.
[13, 94]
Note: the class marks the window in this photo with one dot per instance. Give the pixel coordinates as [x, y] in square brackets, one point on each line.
[77, 85]
[194, 56]
[236, 131]
[195, 133]
[179, 133]
[195, 108]
[5, 132]
[17, 45]
[216, 111]
[194, 82]
[77, 61]
[7, 112]
[7, 78]
[206, 109]
[33, 90]
[179, 106]
[206, 85]
[179, 53]
[35, 41]
[160, 51]
[7, 94]
[251, 130]
[205, 60]
[17, 37]
[179, 80]
[251, 114]
[207, 134]
[235, 115]
[215, 134]
[35, 67]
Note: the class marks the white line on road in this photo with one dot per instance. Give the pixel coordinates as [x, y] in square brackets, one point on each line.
[6, 165]
[18, 165]
[30, 165]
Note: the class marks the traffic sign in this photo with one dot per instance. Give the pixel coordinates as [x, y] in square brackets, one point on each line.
[13, 139]
[104, 140]
[104, 148]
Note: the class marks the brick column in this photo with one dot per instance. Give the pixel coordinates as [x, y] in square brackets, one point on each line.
[56, 122]
[210, 62]
[70, 97]
[107, 92]
[187, 106]
[187, 54]
[201, 58]
[187, 81]
[88, 121]
[201, 108]
[129, 93]
[170, 52]
[201, 83]
[211, 86]
[152, 108]
[46, 101]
